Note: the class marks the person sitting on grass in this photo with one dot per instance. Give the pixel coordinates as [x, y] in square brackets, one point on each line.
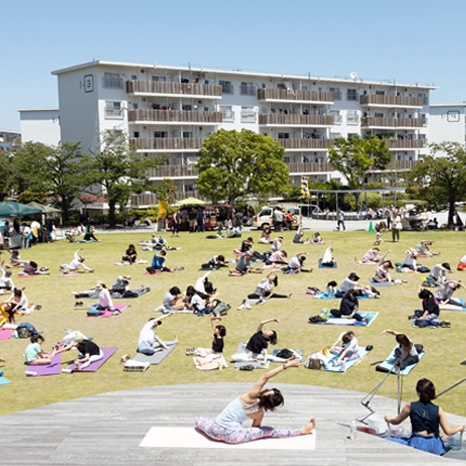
[298, 238]
[265, 236]
[207, 355]
[227, 426]
[327, 259]
[89, 352]
[423, 248]
[438, 274]
[373, 255]
[7, 315]
[296, 264]
[149, 342]
[20, 301]
[158, 263]
[215, 263]
[15, 259]
[460, 267]
[31, 268]
[430, 308]
[34, 354]
[349, 307]
[316, 238]
[105, 299]
[75, 264]
[90, 237]
[425, 421]
[346, 347]
[130, 256]
[243, 266]
[6, 283]
[445, 292]
[173, 300]
[382, 273]
[406, 353]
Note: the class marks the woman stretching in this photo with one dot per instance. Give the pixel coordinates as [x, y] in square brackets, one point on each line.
[406, 353]
[264, 291]
[346, 347]
[207, 355]
[382, 273]
[425, 420]
[227, 426]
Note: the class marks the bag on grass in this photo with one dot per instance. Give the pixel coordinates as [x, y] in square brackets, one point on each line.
[94, 312]
[221, 309]
[285, 353]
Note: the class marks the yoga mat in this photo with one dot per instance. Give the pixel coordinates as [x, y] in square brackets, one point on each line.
[4, 381]
[72, 274]
[452, 307]
[5, 334]
[117, 295]
[188, 437]
[389, 365]
[423, 255]
[348, 364]
[256, 364]
[26, 275]
[52, 369]
[300, 351]
[108, 352]
[325, 296]
[374, 283]
[215, 364]
[157, 272]
[334, 266]
[127, 263]
[155, 358]
[106, 313]
[350, 322]
[367, 263]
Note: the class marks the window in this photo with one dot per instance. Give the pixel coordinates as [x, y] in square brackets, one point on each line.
[227, 113]
[336, 93]
[286, 159]
[283, 135]
[425, 99]
[113, 109]
[160, 134]
[351, 94]
[304, 88]
[135, 106]
[227, 87]
[113, 80]
[187, 134]
[248, 115]
[378, 115]
[187, 107]
[352, 117]
[247, 89]
[336, 115]
[159, 79]
[379, 92]
[136, 134]
[134, 77]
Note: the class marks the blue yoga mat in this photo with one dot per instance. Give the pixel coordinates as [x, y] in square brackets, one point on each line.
[333, 357]
[4, 381]
[326, 296]
[389, 365]
[373, 283]
[326, 266]
[351, 322]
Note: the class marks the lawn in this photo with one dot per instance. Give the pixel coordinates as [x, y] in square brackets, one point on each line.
[445, 346]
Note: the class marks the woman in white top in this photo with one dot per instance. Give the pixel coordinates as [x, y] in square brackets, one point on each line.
[149, 342]
[105, 300]
[73, 266]
[296, 264]
[264, 291]
[327, 258]
[346, 346]
[227, 427]
[396, 227]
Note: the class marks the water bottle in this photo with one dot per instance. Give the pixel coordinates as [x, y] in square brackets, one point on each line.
[353, 431]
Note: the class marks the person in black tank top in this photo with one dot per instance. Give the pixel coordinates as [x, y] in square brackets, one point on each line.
[206, 355]
[425, 421]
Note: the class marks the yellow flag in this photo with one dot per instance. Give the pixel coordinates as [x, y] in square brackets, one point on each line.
[163, 209]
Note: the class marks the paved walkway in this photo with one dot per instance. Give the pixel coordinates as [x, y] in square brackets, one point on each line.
[107, 429]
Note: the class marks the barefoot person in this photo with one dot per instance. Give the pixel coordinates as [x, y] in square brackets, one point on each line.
[149, 343]
[227, 426]
[75, 264]
[425, 421]
[34, 354]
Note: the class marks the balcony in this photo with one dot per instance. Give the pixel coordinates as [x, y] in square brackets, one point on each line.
[309, 167]
[153, 88]
[391, 101]
[174, 171]
[173, 117]
[167, 144]
[298, 96]
[404, 144]
[402, 123]
[306, 144]
[281, 119]
[401, 165]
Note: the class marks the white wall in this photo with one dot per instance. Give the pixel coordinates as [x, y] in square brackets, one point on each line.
[40, 126]
[447, 123]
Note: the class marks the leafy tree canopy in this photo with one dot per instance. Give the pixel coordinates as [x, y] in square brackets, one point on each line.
[233, 165]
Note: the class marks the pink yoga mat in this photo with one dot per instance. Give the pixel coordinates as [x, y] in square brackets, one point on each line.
[120, 307]
[26, 275]
[157, 272]
[51, 369]
[95, 365]
[73, 274]
[5, 334]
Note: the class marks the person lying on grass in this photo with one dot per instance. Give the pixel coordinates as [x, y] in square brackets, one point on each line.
[76, 264]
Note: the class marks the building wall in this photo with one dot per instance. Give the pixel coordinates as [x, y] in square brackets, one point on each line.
[42, 125]
[447, 123]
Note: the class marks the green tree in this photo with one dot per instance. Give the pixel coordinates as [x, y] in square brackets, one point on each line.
[233, 165]
[356, 157]
[442, 176]
[118, 171]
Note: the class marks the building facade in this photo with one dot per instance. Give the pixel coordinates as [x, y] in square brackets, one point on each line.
[9, 140]
[169, 111]
[40, 125]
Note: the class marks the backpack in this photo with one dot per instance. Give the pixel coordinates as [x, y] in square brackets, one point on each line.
[285, 353]
[94, 312]
[25, 330]
[221, 309]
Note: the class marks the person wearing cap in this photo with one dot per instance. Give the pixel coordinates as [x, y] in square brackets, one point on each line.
[438, 274]
[6, 283]
[256, 347]
[75, 264]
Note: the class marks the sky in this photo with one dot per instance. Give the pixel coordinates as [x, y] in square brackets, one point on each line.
[410, 41]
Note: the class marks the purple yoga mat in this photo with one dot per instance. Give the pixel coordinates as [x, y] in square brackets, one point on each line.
[94, 365]
[51, 369]
[5, 334]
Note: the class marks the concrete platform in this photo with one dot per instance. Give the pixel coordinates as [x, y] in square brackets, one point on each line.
[107, 429]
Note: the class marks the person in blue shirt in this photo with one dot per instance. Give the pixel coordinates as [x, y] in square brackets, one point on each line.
[158, 263]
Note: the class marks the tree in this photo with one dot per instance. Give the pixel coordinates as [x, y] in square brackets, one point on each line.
[39, 171]
[355, 158]
[235, 164]
[118, 171]
[442, 175]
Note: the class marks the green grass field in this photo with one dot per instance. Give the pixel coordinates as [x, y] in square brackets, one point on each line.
[445, 346]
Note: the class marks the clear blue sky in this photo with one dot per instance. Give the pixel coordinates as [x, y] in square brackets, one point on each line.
[411, 41]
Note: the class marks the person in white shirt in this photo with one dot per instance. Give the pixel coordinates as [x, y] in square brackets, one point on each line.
[373, 255]
[26, 235]
[73, 266]
[410, 259]
[277, 244]
[327, 258]
[296, 264]
[105, 300]
[346, 347]
[6, 283]
[149, 342]
[438, 274]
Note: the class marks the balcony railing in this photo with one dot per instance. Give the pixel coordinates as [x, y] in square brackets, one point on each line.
[167, 143]
[306, 143]
[181, 116]
[309, 167]
[174, 171]
[391, 100]
[392, 122]
[153, 87]
[405, 143]
[298, 120]
[401, 165]
[298, 95]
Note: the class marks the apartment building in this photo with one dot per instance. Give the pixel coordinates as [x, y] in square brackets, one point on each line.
[9, 140]
[40, 125]
[169, 111]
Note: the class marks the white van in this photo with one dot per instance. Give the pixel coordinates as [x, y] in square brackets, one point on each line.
[264, 218]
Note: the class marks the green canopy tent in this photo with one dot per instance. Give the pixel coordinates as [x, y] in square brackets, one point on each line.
[9, 209]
